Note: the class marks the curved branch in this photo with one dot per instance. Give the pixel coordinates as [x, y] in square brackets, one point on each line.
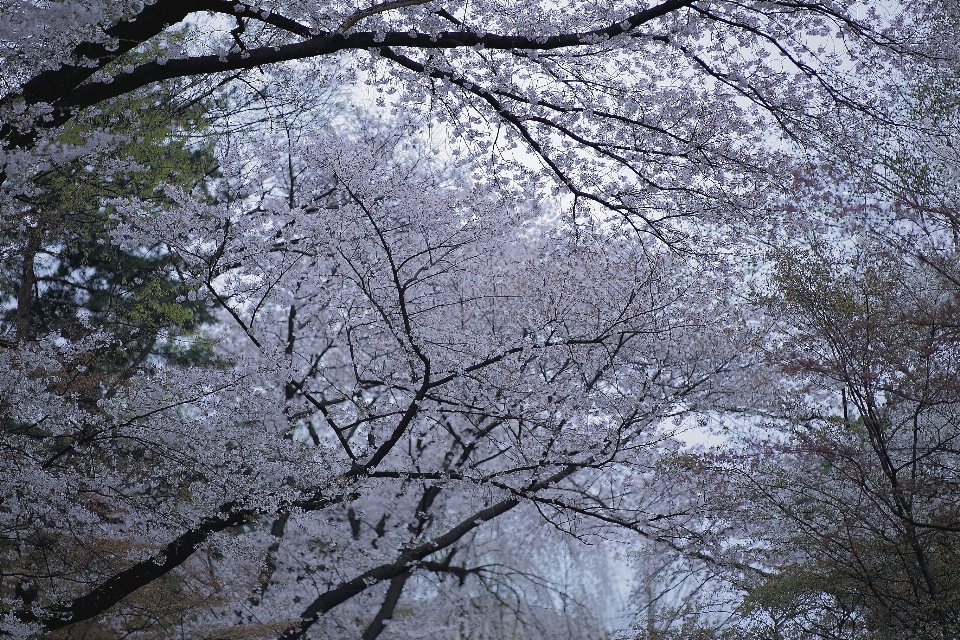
[67, 91]
[383, 7]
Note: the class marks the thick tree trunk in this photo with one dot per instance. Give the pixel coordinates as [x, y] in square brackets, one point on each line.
[27, 280]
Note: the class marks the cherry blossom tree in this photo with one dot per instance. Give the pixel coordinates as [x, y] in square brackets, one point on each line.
[407, 362]
[426, 380]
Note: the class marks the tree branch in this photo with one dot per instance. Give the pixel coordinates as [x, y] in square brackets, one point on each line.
[346, 590]
[143, 573]
[65, 91]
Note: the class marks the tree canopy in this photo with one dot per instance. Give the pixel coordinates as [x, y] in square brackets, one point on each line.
[415, 319]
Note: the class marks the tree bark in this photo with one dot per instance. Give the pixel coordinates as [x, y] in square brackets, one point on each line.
[27, 280]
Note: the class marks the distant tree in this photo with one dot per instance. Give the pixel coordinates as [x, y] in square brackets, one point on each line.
[847, 502]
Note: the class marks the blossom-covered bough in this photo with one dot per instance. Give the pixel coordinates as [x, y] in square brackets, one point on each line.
[338, 365]
[662, 110]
